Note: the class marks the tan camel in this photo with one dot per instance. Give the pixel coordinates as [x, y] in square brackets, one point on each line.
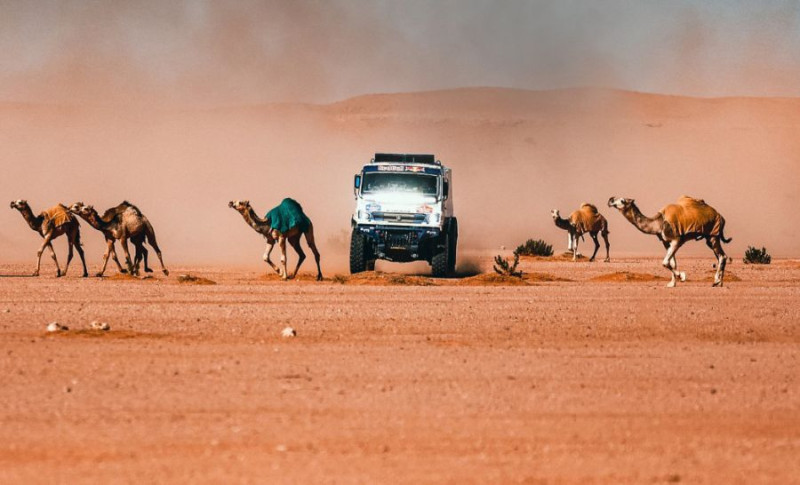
[50, 224]
[122, 222]
[586, 219]
[272, 235]
[687, 220]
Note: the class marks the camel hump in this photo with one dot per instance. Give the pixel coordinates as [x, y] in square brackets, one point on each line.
[686, 199]
[693, 216]
[57, 215]
[288, 215]
[588, 206]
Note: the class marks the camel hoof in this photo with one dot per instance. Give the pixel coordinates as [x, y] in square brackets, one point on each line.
[85, 275]
[36, 273]
[123, 271]
[717, 284]
[99, 275]
[591, 260]
[148, 270]
[607, 260]
[58, 274]
[319, 277]
[166, 272]
[683, 276]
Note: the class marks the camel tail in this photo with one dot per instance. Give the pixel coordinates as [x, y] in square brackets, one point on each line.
[722, 233]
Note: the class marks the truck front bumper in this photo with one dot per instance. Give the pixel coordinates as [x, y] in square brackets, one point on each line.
[401, 243]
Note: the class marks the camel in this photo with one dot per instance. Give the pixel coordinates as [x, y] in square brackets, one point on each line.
[51, 224]
[274, 228]
[689, 219]
[586, 219]
[122, 222]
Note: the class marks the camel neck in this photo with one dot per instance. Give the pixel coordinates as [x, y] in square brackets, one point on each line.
[645, 224]
[34, 222]
[252, 218]
[94, 220]
[562, 223]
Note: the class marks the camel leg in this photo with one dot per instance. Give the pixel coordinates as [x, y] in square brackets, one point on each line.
[313, 245]
[59, 273]
[569, 242]
[109, 246]
[128, 262]
[722, 261]
[596, 245]
[266, 257]
[116, 259]
[672, 264]
[145, 252]
[45, 244]
[608, 246]
[140, 255]
[70, 254]
[282, 244]
[80, 252]
[301, 255]
[151, 239]
[575, 252]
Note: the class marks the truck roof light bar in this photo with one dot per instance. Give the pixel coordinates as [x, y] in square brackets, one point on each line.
[424, 159]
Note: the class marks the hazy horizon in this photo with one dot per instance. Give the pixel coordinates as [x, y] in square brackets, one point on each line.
[212, 53]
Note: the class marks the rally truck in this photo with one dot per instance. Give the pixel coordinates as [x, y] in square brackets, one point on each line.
[404, 212]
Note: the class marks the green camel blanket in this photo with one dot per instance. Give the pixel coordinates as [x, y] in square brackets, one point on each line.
[288, 215]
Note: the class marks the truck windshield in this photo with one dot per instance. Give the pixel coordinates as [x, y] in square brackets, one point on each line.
[399, 182]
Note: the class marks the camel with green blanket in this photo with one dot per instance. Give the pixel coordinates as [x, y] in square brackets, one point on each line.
[689, 219]
[286, 222]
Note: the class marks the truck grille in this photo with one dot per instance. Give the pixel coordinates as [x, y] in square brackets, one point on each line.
[398, 217]
[401, 240]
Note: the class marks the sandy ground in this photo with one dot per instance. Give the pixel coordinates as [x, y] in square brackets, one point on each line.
[604, 378]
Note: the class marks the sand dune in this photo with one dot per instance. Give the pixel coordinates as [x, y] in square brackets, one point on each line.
[516, 154]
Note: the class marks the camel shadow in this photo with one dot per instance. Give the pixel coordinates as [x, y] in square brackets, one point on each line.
[16, 276]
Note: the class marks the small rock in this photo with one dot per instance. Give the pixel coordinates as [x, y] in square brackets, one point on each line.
[95, 325]
[56, 327]
[289, 332]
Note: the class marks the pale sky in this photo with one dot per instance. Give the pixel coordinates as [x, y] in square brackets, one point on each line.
[230, 52]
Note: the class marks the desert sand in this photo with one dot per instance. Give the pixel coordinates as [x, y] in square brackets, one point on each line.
[579, 373]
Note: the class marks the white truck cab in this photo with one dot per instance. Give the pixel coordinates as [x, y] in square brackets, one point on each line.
[404, 212]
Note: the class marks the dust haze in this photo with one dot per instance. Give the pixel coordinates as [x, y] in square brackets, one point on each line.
[181, 107]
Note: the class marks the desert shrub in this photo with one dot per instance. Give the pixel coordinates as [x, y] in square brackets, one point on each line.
[757, 256]
[504, 268]
[534, 248]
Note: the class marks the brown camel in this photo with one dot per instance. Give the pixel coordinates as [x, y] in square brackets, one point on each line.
[272, 235]
[586, 219]
[122, 222]
[50, 224]
[688, 219]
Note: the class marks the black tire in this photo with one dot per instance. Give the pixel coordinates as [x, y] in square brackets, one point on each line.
[452, 247]
[371, 265]
[440, 259]
[358, 252]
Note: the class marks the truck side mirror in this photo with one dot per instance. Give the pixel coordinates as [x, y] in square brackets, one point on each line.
[446, 189]
[357, 182]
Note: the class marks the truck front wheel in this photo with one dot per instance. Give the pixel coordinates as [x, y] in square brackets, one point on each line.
[358, 252]
[440, 259]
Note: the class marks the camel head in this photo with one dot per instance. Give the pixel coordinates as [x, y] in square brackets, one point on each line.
[556, 215]
[239, 205]
[81, 209]
[620, 203]
[19, 204]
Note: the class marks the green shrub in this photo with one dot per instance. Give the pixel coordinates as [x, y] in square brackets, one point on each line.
[757, 256]
[534, 248]
[504, 268]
